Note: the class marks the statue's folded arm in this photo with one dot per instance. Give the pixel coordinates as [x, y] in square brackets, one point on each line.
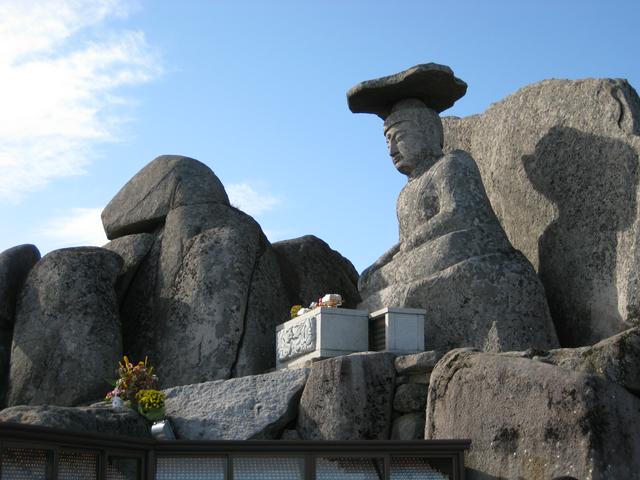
[381, 262]
[462, 201]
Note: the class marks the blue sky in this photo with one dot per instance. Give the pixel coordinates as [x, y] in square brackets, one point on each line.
[91, 91]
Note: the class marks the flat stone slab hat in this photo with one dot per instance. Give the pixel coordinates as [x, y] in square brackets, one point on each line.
[432, 83]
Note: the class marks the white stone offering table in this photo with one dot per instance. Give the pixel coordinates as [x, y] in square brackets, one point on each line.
[321, 333]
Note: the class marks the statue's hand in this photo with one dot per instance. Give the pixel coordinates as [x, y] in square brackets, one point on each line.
[378, 264]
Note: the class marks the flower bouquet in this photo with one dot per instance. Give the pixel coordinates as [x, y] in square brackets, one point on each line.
[133, 378]
[136, 388]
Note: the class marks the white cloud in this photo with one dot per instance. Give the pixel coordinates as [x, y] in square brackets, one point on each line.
[250, 200]
[59, 86]
[79, 227]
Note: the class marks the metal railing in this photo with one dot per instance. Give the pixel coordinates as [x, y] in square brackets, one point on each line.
[37, 453]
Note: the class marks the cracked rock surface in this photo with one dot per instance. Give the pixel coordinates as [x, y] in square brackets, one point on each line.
[15, 264]
[98, 418]
[252, 407]
[531, 419]
[348, 398]
[66, 339]
[204, 301]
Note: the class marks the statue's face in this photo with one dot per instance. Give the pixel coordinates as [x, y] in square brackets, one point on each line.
[413, 137]
[406, 144]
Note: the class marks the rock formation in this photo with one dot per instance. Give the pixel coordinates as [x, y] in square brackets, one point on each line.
[410, 397]
[530, 419]
[187, 280]
[15, 264]
[616, 359]
[348, 398]
[204, 302]
[132, 249]
[310, 269]
[559, 160]
[254, 407]
[409, 426]
[453, 258]
[67, 337]
[169, 182]
[413, 373]
[99, 418]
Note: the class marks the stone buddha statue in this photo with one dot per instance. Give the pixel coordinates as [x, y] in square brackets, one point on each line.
[453, 258]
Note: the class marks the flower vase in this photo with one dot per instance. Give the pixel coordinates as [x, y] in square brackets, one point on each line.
[116, 402]
[162, 430]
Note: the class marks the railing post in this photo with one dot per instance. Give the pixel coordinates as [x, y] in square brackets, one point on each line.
[55, 458]
[229, 472]
[102, 465]
[309, 467]
[150, 467]
[387, 467]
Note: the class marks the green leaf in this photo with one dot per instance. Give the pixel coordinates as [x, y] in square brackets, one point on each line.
[152, 415]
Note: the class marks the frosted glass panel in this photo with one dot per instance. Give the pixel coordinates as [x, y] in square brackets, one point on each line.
[405, 468]
[25, 464]
[123, 468]
[190, 468]
[261, 468]
[349, 468]
[77, 465]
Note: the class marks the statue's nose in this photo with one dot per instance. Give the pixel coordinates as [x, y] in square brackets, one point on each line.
[393, 147]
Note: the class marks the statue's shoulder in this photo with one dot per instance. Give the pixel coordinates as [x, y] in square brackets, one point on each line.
[459, 160]
[459, 156]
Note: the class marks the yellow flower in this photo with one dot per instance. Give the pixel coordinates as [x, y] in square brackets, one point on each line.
[150, 399]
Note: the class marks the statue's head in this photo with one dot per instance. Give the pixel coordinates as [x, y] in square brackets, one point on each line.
[409, 102]
[414, 135]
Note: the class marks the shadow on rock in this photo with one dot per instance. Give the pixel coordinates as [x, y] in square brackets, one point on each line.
[592, 181]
